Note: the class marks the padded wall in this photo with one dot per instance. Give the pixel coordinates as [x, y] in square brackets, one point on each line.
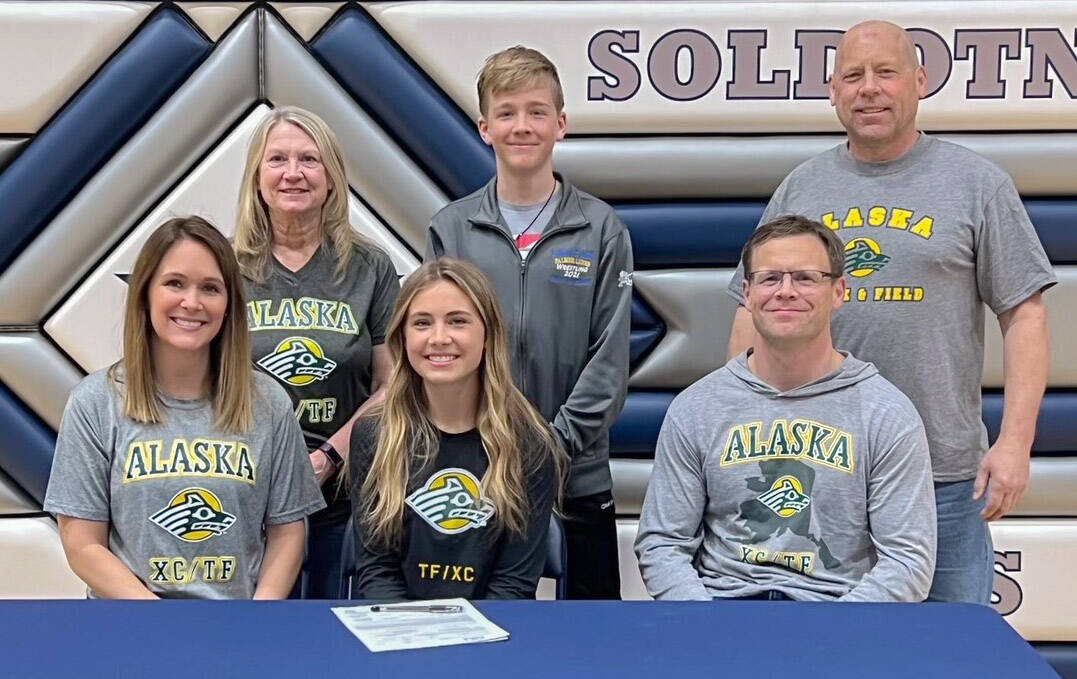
[145, 115]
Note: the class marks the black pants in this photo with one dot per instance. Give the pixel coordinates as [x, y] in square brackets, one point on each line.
[322, 567]
[323, 557]
[591, 535]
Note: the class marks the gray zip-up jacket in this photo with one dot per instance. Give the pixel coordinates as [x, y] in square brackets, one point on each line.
[821, 492]
[567, 307]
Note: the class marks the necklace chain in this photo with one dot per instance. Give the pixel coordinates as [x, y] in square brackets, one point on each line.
[537, 214]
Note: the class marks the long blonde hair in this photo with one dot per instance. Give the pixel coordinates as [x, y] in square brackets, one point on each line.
[254, 231]
[230, 352]
[407, 439]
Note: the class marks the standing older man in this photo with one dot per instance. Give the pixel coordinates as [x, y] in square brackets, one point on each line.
[932, 232]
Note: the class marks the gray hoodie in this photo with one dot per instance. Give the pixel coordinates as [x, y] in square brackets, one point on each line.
[821, 492]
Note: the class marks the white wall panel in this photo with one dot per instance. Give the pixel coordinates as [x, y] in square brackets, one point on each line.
[38, 374]
[656, 87]
[9, 147]
[33, 562]
[1060, 300]
[213, 18]
[49, 49]
[1037, 559]
[13, 500]
[306, 18]
[698, 315]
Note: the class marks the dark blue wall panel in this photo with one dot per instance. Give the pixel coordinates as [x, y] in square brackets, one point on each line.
[1054, 220]
[1062, 656]
[405, 103]
[672, 235]
[127, 90]
[26, 445]
[1056, 433]
[647, 330]
[636, 430]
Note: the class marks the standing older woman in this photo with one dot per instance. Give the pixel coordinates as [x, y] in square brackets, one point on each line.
[319, 301]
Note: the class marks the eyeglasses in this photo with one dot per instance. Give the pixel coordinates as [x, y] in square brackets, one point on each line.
[802, 280]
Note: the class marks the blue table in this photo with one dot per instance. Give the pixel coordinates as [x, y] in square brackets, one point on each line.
[655, 640]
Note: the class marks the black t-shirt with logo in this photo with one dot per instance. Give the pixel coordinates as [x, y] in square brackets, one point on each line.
[315, 336]
[450, 545]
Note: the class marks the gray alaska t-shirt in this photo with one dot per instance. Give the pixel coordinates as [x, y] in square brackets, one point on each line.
[929, 239]
[315, 336]
[186, 503]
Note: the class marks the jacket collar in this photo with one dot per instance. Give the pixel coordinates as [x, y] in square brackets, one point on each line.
[568, 214]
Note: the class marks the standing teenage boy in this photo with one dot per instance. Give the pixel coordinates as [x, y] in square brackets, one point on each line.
[561, 263]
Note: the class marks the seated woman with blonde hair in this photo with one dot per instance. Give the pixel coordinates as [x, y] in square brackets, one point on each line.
[454, 476]
[178, 471]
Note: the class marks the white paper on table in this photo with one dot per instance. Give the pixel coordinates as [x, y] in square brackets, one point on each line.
[398, 631]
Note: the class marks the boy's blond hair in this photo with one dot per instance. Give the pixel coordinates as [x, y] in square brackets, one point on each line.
[514, 69]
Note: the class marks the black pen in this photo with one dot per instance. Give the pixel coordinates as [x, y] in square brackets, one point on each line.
[435, 608]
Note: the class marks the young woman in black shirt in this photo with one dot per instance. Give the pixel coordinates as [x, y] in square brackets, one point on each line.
[454, 477]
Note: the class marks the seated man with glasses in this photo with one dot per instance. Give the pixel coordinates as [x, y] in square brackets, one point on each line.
[795, 471]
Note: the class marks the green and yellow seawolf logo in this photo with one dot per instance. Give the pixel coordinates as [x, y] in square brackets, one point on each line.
[298, 361]
[786, 497]
[863, 257]
[194, 515]
[451, 501]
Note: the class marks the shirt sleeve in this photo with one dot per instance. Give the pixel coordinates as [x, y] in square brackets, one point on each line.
[599, 393]
[671, 522]
[386, 289]
[1011, 264]
[378, 573]
[293, 490]
[521, 559]
[901, 515]
[81, 465]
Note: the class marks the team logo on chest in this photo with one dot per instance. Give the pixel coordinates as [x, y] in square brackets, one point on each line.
[863, 257]
[298, 361]
[573, 267]
[194, 515]
[451, 501]
[786, 497]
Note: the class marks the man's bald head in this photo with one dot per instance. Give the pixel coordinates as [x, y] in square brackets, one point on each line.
[872, 29]
[875, 90]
